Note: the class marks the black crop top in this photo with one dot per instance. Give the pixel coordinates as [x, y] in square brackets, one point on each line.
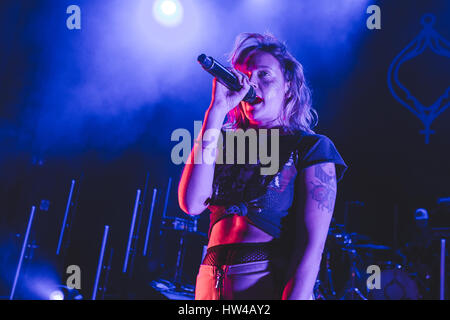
[266, 199]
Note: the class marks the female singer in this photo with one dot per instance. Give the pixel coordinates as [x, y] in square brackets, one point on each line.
[267, 231]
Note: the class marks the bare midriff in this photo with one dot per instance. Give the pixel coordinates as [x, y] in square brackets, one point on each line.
[236, 229]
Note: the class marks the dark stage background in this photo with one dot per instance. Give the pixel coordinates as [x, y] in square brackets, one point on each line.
[99, 105]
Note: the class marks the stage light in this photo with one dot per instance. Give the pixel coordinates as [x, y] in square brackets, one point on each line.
[168, 7]
[56, 295]
[168, 12]
[64, 293]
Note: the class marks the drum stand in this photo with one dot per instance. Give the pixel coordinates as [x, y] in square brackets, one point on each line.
[318, 295]
[353, 293]
[325, 290]
[329, 276]
[186, 226]
[180, 258]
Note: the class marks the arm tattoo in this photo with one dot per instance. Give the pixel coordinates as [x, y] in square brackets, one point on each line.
[322, 175]
[324, 189]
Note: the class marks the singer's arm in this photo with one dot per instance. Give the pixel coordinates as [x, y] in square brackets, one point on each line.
[318, 185]
[196, 180]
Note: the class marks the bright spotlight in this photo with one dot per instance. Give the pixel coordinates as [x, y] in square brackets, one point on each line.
[56, 295]
[168, 7]
[168, 12]
[64, 293]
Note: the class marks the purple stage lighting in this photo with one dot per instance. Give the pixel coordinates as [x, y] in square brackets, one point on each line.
[168, 12]
[56, 295]
[64, 293]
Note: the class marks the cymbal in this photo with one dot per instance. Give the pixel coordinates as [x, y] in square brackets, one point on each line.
[354, 236]
[370, 246]
[359, 236]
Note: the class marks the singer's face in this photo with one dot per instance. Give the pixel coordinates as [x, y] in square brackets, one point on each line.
[265, 74]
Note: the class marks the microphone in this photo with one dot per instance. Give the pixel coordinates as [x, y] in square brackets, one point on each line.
[224, 76]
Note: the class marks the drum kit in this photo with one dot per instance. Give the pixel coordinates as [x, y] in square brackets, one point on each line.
[346, 270]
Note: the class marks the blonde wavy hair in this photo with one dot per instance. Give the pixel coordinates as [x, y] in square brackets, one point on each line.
[297, 113]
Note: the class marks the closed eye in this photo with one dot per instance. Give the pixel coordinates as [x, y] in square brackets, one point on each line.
[262, 74]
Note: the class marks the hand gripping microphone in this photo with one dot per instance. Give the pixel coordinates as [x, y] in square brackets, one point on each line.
[225, 77]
